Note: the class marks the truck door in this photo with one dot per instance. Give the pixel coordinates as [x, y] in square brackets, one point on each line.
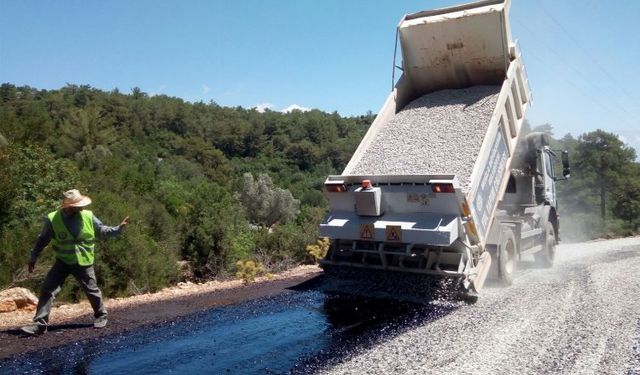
[549, 179]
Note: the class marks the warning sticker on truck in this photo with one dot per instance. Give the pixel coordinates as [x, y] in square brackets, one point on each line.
[486, 191]
[394, 233]
[366, 231]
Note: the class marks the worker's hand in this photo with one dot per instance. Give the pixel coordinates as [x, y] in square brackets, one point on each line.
[125, 222]
[31, 265]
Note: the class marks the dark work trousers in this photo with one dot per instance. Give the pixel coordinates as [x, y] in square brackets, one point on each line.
[85, 275]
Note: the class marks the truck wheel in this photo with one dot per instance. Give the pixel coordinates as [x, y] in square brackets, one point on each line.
[544, 257]
[507, 258]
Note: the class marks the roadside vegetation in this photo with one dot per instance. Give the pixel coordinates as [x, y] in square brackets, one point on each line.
[205, 186]
[215, 191]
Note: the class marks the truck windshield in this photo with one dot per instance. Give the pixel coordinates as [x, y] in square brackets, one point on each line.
[549, 165]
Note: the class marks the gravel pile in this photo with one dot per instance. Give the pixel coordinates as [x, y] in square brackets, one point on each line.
[580, 317]
[439, 133]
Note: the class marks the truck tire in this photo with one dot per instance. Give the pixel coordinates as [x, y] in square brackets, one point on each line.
[544, 257]
[507, 257]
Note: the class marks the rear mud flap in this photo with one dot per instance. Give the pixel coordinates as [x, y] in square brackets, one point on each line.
[483, 267]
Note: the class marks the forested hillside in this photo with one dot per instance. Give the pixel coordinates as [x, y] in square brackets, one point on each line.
[203, 184]
[206, 186]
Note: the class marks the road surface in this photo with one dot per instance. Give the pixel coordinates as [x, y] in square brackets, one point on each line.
[580, 317]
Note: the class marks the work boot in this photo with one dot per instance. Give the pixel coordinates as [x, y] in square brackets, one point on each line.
[34, 329]
[100, 322]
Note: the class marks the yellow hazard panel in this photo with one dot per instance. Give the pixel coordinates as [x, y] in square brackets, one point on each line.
[394, 233]
[366, 231]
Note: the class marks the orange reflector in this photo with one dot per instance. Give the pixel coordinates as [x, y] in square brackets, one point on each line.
[465, 209]
[335, 188]
[366, 184]
[443, 188]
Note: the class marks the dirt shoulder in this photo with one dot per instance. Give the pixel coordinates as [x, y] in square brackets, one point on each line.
[74, 322]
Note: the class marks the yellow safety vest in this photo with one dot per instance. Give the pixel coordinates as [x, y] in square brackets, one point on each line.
[69, 249]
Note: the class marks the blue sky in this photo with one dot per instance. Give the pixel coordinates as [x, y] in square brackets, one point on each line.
[581, 55]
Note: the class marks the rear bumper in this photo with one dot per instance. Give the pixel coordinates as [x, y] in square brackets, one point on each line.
[431, 272]
[422, 228]
[403, 258]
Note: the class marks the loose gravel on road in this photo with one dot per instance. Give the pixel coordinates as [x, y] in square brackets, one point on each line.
[580, 317]
[438, 133]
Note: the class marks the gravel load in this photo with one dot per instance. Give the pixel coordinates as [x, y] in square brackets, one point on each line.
[438, 133]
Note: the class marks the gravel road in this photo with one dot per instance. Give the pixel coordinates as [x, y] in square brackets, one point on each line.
[580, 317]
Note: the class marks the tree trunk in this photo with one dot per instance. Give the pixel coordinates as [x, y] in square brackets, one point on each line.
[602, 192]
[603, 210]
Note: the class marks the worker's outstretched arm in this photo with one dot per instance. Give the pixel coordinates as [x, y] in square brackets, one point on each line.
[107, 231]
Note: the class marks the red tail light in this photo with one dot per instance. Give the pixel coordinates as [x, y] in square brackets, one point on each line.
[335, 188]
[443, 188]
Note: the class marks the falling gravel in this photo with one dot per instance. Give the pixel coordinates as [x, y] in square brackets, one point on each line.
[439, 133]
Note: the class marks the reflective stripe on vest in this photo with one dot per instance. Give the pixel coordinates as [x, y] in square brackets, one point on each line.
[70, 249]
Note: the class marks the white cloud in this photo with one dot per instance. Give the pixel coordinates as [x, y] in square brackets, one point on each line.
[263, 107]
[205, 88]
[293, 107]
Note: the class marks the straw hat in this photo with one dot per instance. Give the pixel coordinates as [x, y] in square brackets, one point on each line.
[73, 198]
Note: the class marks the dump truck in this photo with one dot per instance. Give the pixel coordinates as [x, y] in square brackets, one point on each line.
[444, 183]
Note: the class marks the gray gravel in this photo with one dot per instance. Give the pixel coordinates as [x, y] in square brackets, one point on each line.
[580, 317]
[439, 133]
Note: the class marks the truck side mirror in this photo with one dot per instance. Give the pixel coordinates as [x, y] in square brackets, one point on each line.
[566, 169]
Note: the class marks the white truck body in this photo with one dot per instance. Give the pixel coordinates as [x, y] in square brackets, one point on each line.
[429, 223]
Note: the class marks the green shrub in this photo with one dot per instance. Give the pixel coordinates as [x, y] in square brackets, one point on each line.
[319, 250]
[216, 232]
[134, 263]
[248, 270]
[39, 179]
[16, 249]
[280, 248]
[264, 203]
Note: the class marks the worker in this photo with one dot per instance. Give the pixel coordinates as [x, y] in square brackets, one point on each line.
[72, 231]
